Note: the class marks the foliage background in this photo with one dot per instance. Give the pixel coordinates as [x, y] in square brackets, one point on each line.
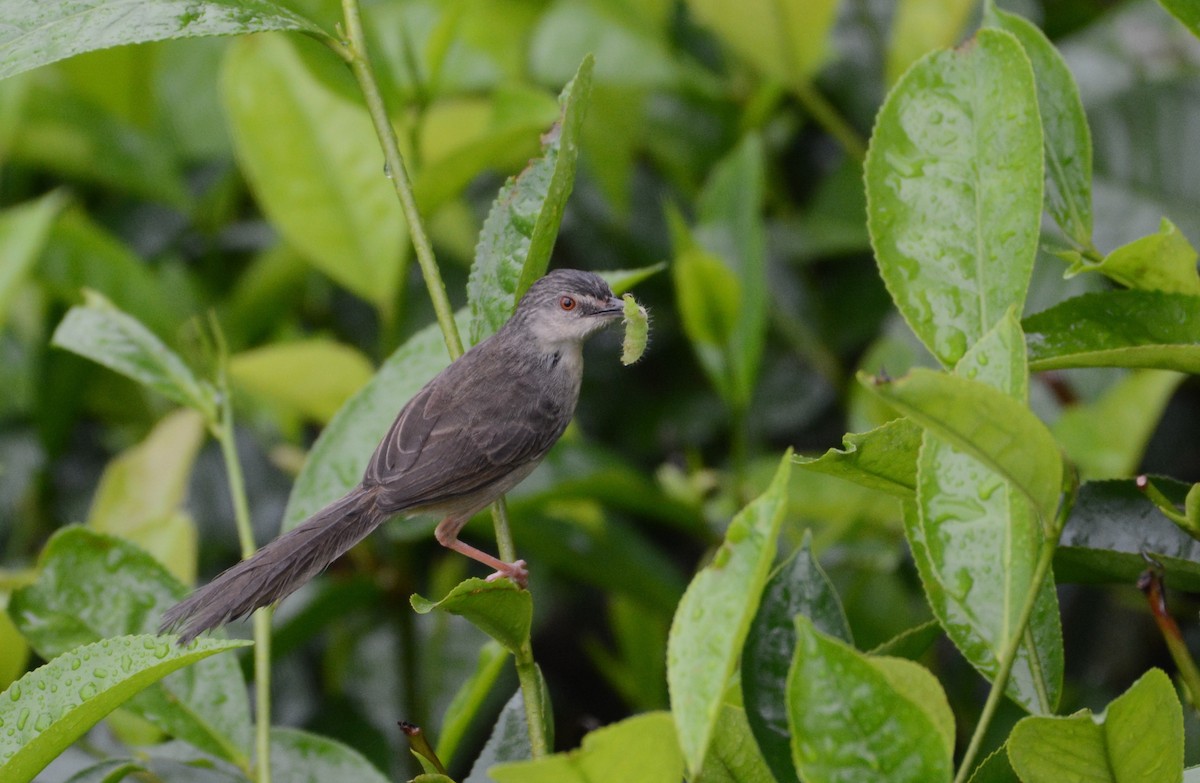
[176, 166]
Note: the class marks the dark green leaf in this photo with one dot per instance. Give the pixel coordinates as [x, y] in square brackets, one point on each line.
[1112, 523]
[509, 741]
[884, 458]
[91, 587]
[725, 594]
[500, 609]
[519, 233]
[1117, 329]
[954, 190]
[799, 587]
[733, 756]
[51, 707]
[38, 33]
[300, 757]
[859, 718]
[102, 333]
[995, 769]
[912, 643]
[464, 708]
[1068, 141]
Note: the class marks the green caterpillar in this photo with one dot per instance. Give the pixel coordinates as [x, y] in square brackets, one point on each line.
[637, 331]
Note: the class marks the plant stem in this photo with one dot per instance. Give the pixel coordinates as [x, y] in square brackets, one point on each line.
[531, 693]
[262, 617]
[1008, 655]
[504, 539]
[354, 52]
[828, 118]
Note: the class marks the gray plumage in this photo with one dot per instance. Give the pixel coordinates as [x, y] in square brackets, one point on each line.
[469, 435]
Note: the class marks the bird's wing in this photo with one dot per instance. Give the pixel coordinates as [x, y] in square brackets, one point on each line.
[452, 441]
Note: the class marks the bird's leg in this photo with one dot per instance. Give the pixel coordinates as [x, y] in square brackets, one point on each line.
[446, 534]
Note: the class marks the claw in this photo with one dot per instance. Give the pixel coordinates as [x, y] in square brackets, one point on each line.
[515, 571]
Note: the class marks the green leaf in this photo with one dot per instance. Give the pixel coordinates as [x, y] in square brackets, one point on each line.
[311, 157]
[1165, 261]
[300, 757]
[799, 587]
[954, 190]
[621, 280]
[314, 377]
[1068, 141]
[976, 541]
[733, 756]
[464, 708]
[911, 643]
[1139, 739]
[519, 232]
[99, 331]
[919, 27]
[35, 34]
[90, 587]
[142, 490]
[509, 740]
[787, 40]
[1186, 11]
[1106, 438]
[884, 458]
[855, 718]
[629, 53]
[725, 595]
[1117, 329]
[995, 769]
[500, 609]
[984, 422]
[340, 455]
[641, 749]
[1098, 545]
[14, 650]
[708, 297]
[24, 231]
[51, 707]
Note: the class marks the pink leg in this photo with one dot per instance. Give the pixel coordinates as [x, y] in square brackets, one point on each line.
[447, 535]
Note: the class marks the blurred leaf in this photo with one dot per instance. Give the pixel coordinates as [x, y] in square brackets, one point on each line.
[787, 40]
[911, 643]
[99, 331]
[14, 650]
[799, 587]
[461, 138]
[66, 133]
[1068, 141]
[638, 669]
[1165, 261]
[314, 377]
[733, 756]
[340, 455]
[1138, 739]
[38, 33]
[621, 280]
[1112, 523]
[81, 255]
[641, 749]
[464, 707]
[509, 740]
[884, 458]
[627, 53]
[976, 541]
[1186, 11]
[1106, 438]
[300, 757]
[1117, 329]
[500, 609]
[725, 594]
[519, 232]
[142, 490]
[263, 295]
[92, 587]
[954, 190]
[854, 717]
[987, 424]
[311, 157]
[51, 707]
[24, 230]
[919, 27]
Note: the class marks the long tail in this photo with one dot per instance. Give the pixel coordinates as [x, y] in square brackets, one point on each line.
[278, 569]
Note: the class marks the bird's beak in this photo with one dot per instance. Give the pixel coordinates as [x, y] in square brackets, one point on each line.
[612, 308]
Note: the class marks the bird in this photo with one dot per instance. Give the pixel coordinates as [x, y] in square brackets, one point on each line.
[472, 433]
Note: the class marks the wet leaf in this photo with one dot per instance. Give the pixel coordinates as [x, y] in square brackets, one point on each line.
[500, 609]
[884, 458]
[1164, 261]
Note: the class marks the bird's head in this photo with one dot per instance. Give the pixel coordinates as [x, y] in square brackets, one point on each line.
[566, 307]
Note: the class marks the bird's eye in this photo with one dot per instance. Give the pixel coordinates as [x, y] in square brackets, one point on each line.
[567, 303]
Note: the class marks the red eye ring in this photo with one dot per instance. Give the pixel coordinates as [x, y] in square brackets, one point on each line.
[567, 303]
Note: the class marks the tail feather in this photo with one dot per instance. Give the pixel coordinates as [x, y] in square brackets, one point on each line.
[278, 569]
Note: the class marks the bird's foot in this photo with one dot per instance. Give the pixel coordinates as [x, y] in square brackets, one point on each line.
[515, 571]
